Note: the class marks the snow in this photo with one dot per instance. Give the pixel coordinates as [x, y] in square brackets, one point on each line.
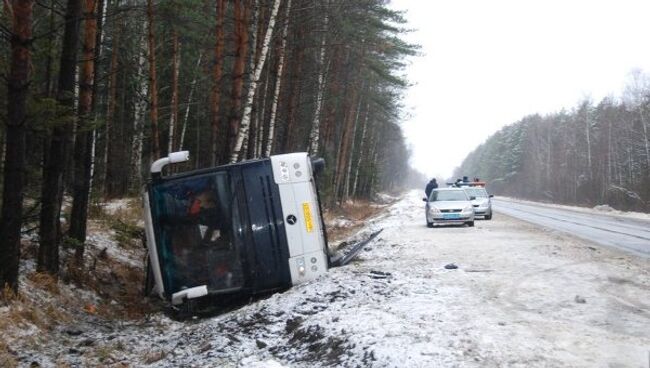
[340, 222]
[603, 208]
[511, 302]
[384, 198]
[116, 205]
[105, 241]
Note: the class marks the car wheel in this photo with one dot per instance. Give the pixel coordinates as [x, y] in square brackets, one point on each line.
[488, 217]
[470, 224]
[429, 224]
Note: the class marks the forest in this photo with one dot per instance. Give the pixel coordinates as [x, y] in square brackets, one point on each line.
[592, 154]
[95, 90]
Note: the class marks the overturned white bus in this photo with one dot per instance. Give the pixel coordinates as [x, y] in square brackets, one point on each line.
[241, 229]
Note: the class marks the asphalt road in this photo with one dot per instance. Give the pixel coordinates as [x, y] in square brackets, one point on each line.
[631, 235]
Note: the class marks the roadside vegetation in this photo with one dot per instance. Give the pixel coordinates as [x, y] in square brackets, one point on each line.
[98, 89]
[592, 154]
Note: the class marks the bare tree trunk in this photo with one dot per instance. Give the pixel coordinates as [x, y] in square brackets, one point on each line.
[241, 35]
[314, 134]
[99, 45]
[50, 50]
[153, 83]
[3, 141]
[348, 178]
[276, 93]
[254, 37]
[139, 118]
[111, 106]
[16, 126]
[334, 90]
[588, 136]
[52, 189]
[256, 26]
[83, 144]
[344, 147]
[186, 116]
[217, 72]
[286, 142]
[245, 123]
[373, 172]
[645, 135]
[361, 148]
[173, 120]
[261, 115]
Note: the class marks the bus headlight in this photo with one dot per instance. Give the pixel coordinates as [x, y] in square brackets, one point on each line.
[301, 266]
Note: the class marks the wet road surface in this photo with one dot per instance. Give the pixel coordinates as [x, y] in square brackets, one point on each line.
[632, 235]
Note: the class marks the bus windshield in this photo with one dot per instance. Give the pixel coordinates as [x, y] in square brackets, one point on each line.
[195, 220]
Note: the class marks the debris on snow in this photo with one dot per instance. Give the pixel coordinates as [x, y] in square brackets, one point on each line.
[379, 274]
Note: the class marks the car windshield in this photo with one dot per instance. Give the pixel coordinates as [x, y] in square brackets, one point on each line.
[448, 195]
[477, 192]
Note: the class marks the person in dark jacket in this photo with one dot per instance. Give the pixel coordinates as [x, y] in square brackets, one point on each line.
[433, 184]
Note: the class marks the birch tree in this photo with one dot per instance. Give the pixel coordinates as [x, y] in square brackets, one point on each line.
[241, 12]
[278, 82]
[188, 105]
[153, 83]
[246, 117]
[217, 72]
[139, 116]
[173, 116]
[84, 139]
[315, 125]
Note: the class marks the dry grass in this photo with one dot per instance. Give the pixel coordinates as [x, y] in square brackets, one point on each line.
[118, 284]
[7, 295]
[23, 312]
[29, 319]
[45, 282]
[7, 356]
[355, 212]
[105, 353]
[154, 356]
[130, 212]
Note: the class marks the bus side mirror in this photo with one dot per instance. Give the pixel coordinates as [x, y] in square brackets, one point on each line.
[173, 158]
[181, 156]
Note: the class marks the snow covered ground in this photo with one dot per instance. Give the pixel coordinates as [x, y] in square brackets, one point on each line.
[520, 297]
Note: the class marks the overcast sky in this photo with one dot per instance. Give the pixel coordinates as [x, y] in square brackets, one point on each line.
[489, 63]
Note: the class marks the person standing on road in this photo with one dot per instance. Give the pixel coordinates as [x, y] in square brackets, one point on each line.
[433, 184]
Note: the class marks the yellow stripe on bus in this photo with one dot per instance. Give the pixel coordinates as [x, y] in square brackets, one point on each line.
[309, 223]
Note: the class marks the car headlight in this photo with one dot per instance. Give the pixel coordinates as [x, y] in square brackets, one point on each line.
[434, 210]
[468, 209]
